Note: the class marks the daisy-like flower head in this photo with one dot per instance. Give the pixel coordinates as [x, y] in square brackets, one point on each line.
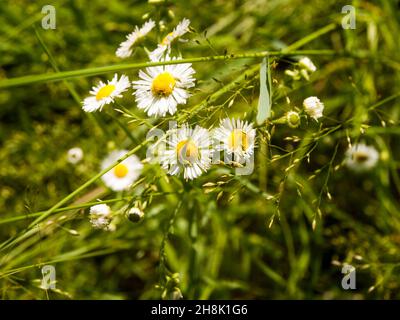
[100, 216]
[361, 157]
[160, 89]
[165, 45]
[123, 174]
[74, 155]
[125, 48]
[307, 64]
[236, 138]
[189, 150]
[313, 107]
[103, 94]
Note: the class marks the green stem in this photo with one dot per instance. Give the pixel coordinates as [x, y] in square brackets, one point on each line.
[379, 103]
[80, 206]
[49, 77]
[310, 37]
[134, 116]
[248, 75]
[163, 257]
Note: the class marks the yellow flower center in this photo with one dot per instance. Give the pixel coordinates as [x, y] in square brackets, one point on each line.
[360, 157]
[105, 92]
[238, 140]
[186, 150]
[163, 84]
[120, 170]
[166, 39]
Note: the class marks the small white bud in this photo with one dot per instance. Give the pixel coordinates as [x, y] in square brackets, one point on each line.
[74, 155]
[307, 64]
[135, 214]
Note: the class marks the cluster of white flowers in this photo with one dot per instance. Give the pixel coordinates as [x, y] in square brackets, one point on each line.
[187, 151]
[160, 89]
[191, 150]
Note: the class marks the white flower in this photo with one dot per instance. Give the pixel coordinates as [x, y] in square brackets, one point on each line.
[188, 151]
[361, 157]
[125, 48]
[123, 174]
[236, 138]
[160, 89]
[74, 155]
[313, 107]
[165, 45]
[104, 94]
[100, 216]
[307, 64]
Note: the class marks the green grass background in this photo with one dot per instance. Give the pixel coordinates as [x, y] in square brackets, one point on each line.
[227, 242]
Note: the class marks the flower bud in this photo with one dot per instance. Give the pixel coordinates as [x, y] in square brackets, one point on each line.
[304, 74]
[294, 74]
[307, 64]
[135, 214]
[293, 119]
[74, 155]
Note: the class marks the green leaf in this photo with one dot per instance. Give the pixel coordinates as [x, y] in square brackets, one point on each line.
[264, 102]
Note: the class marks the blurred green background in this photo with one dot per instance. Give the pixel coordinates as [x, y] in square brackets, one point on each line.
[222, 243]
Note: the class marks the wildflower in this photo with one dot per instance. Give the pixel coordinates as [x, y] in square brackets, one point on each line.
[307, 64]
[236, 138]
[104, 94]
[125, 48]
[123, 174]
[165, 45]
[361, 157]
[100, 216]
[313, 107]
[74, 155]
[135, 214]
[189, 151]
[160, 89]
[293, 119]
